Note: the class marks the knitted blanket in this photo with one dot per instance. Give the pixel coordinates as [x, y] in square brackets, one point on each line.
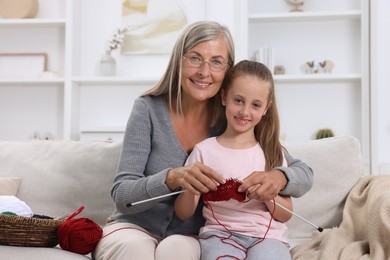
[364, 232]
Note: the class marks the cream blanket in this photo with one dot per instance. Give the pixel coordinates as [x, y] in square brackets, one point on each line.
[364, 232]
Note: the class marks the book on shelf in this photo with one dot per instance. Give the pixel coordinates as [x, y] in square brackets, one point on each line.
[266, 55]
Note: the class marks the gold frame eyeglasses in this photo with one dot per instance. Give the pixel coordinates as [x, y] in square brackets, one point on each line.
[197, 62]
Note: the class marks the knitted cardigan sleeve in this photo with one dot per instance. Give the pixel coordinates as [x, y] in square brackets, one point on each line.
[299, 176]
[147, 155]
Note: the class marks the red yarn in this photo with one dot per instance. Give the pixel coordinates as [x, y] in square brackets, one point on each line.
[79, 235]
[226, 191]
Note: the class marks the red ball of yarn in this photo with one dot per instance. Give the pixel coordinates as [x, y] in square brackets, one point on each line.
[79, 235]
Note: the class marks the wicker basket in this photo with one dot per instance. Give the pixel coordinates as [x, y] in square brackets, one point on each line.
[24, 231]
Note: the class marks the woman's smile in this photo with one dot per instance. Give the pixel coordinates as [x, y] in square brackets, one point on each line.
[200, 85]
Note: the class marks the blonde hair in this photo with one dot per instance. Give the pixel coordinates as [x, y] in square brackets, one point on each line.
[267, 131]
[196, 33]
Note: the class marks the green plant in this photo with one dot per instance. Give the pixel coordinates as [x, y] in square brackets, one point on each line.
[324, 133]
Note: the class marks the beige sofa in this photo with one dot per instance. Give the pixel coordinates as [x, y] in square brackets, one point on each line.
[57, 177]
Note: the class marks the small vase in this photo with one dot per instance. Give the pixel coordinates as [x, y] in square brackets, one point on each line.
[107, 65]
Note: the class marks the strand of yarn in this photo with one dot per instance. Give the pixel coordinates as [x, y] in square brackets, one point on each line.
[79, 235]
[139, 229]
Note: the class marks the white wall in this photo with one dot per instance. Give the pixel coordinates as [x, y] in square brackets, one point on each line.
[99, 21]
[381, 84]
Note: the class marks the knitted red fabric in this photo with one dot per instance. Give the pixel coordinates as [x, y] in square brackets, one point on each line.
[226, 191]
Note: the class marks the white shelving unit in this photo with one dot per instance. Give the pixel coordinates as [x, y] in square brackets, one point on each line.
[32, 104]
[103, 97]
[325, 30]
[76, 104]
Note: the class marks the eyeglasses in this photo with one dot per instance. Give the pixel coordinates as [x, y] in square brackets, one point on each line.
[197, 62]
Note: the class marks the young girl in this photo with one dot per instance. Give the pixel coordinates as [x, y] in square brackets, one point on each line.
[242, 228]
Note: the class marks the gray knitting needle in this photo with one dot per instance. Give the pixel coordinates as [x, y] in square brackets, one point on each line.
[320, 229]
[307, 221]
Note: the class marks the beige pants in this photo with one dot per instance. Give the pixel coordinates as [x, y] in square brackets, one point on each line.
[127, 242]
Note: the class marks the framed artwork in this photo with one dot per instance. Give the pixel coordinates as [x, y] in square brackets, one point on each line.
[16, 65]
[156, 24]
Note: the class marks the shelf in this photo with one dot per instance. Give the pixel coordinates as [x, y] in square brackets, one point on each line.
[118, 129]
[30, 23]
[108, 134]
[318, 78]
[115, 80]
[305, 16]
[31, 81]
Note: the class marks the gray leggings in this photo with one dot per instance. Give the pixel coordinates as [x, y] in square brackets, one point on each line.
[213, 247]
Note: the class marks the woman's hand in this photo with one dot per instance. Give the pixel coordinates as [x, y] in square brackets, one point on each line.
[263, 186]
[196, 178]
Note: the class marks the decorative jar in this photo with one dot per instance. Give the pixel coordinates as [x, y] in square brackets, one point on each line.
[107, 65]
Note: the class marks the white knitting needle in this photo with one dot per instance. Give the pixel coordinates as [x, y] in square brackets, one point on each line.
[307, 221]
[320, 229]
[155, 198]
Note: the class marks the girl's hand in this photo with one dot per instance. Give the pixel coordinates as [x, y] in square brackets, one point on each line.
[263, 186]
[196, 178]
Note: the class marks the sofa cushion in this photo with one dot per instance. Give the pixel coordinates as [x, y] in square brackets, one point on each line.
[337, 165]
[60, 176]
[9, 185]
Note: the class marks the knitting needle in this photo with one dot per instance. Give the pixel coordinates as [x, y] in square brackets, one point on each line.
[320, 229]
[155, 198]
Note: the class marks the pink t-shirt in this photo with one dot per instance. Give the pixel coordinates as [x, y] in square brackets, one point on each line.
[250, 218]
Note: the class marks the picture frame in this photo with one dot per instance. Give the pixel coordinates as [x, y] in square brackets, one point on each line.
[22, 65]
[155, 26]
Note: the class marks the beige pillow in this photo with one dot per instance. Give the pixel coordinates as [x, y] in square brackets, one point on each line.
[9, 185]
[337, 164]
